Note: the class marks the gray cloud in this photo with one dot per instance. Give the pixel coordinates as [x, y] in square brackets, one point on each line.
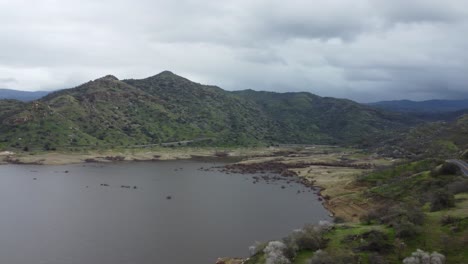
[365, 50]
[8, 80]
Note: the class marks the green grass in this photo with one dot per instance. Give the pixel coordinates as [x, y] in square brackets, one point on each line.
[397, 171]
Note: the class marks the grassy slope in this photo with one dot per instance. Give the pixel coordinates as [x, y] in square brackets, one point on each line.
[408, 183]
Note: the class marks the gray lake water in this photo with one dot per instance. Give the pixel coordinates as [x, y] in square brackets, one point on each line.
[48, 216]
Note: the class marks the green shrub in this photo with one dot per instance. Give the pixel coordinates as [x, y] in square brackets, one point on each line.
[442, 199]
[406, 229]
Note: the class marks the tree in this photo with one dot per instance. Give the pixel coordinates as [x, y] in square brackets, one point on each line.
[274, 253]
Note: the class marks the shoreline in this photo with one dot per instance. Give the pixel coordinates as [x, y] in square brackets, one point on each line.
[130, 155]
[330, 172]
[330, 176]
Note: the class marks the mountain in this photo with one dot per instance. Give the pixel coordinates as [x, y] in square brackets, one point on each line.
[430, 106]
[167, 107]
[24, 96]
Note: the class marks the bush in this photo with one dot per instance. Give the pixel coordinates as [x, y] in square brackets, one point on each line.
[274, 253]
[448, 220]
[421, 257]
[406, 229]
[339, 220]
[256, 248]
[291, 249]
[310, 238]
[375, 241]
[442, 199]
[446, 169]
[397, 213]
[460, 186]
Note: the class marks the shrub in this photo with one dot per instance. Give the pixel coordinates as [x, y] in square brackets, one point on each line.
[291, 249]
[310, 237]
[442, 199]
[399, 213]
[256, 248]
[406, 229]
[446, 169]
[421, 257]
[339, 220]
[460, 186]
[274, 253]
[448, 220]
[376, 241]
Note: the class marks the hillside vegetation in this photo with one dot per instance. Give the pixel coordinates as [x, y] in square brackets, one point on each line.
[417, 209]
[435, 139]
[108, 112]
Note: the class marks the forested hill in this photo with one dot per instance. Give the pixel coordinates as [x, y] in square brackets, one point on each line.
[167, 107]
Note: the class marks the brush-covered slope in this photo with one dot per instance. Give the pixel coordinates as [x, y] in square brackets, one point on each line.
[111, 112]
[167, 107]
[308, 117]
[436, 139]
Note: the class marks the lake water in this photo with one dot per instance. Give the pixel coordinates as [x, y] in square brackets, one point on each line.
[50, 216]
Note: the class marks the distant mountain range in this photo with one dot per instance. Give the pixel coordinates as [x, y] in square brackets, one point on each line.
[24, 96]
[167, 108]
[430, 106]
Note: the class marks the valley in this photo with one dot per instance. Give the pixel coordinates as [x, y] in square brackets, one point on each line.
[380, 174]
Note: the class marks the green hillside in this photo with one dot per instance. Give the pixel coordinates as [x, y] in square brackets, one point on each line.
[109, 112]
[308, 117]
[436, 139]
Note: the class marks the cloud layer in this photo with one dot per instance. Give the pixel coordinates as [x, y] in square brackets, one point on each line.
[366, 50]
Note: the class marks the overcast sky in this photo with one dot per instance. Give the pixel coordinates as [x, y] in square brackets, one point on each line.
[365, 50]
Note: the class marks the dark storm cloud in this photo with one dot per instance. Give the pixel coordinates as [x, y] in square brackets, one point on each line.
[419, 11]
[362, 49]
